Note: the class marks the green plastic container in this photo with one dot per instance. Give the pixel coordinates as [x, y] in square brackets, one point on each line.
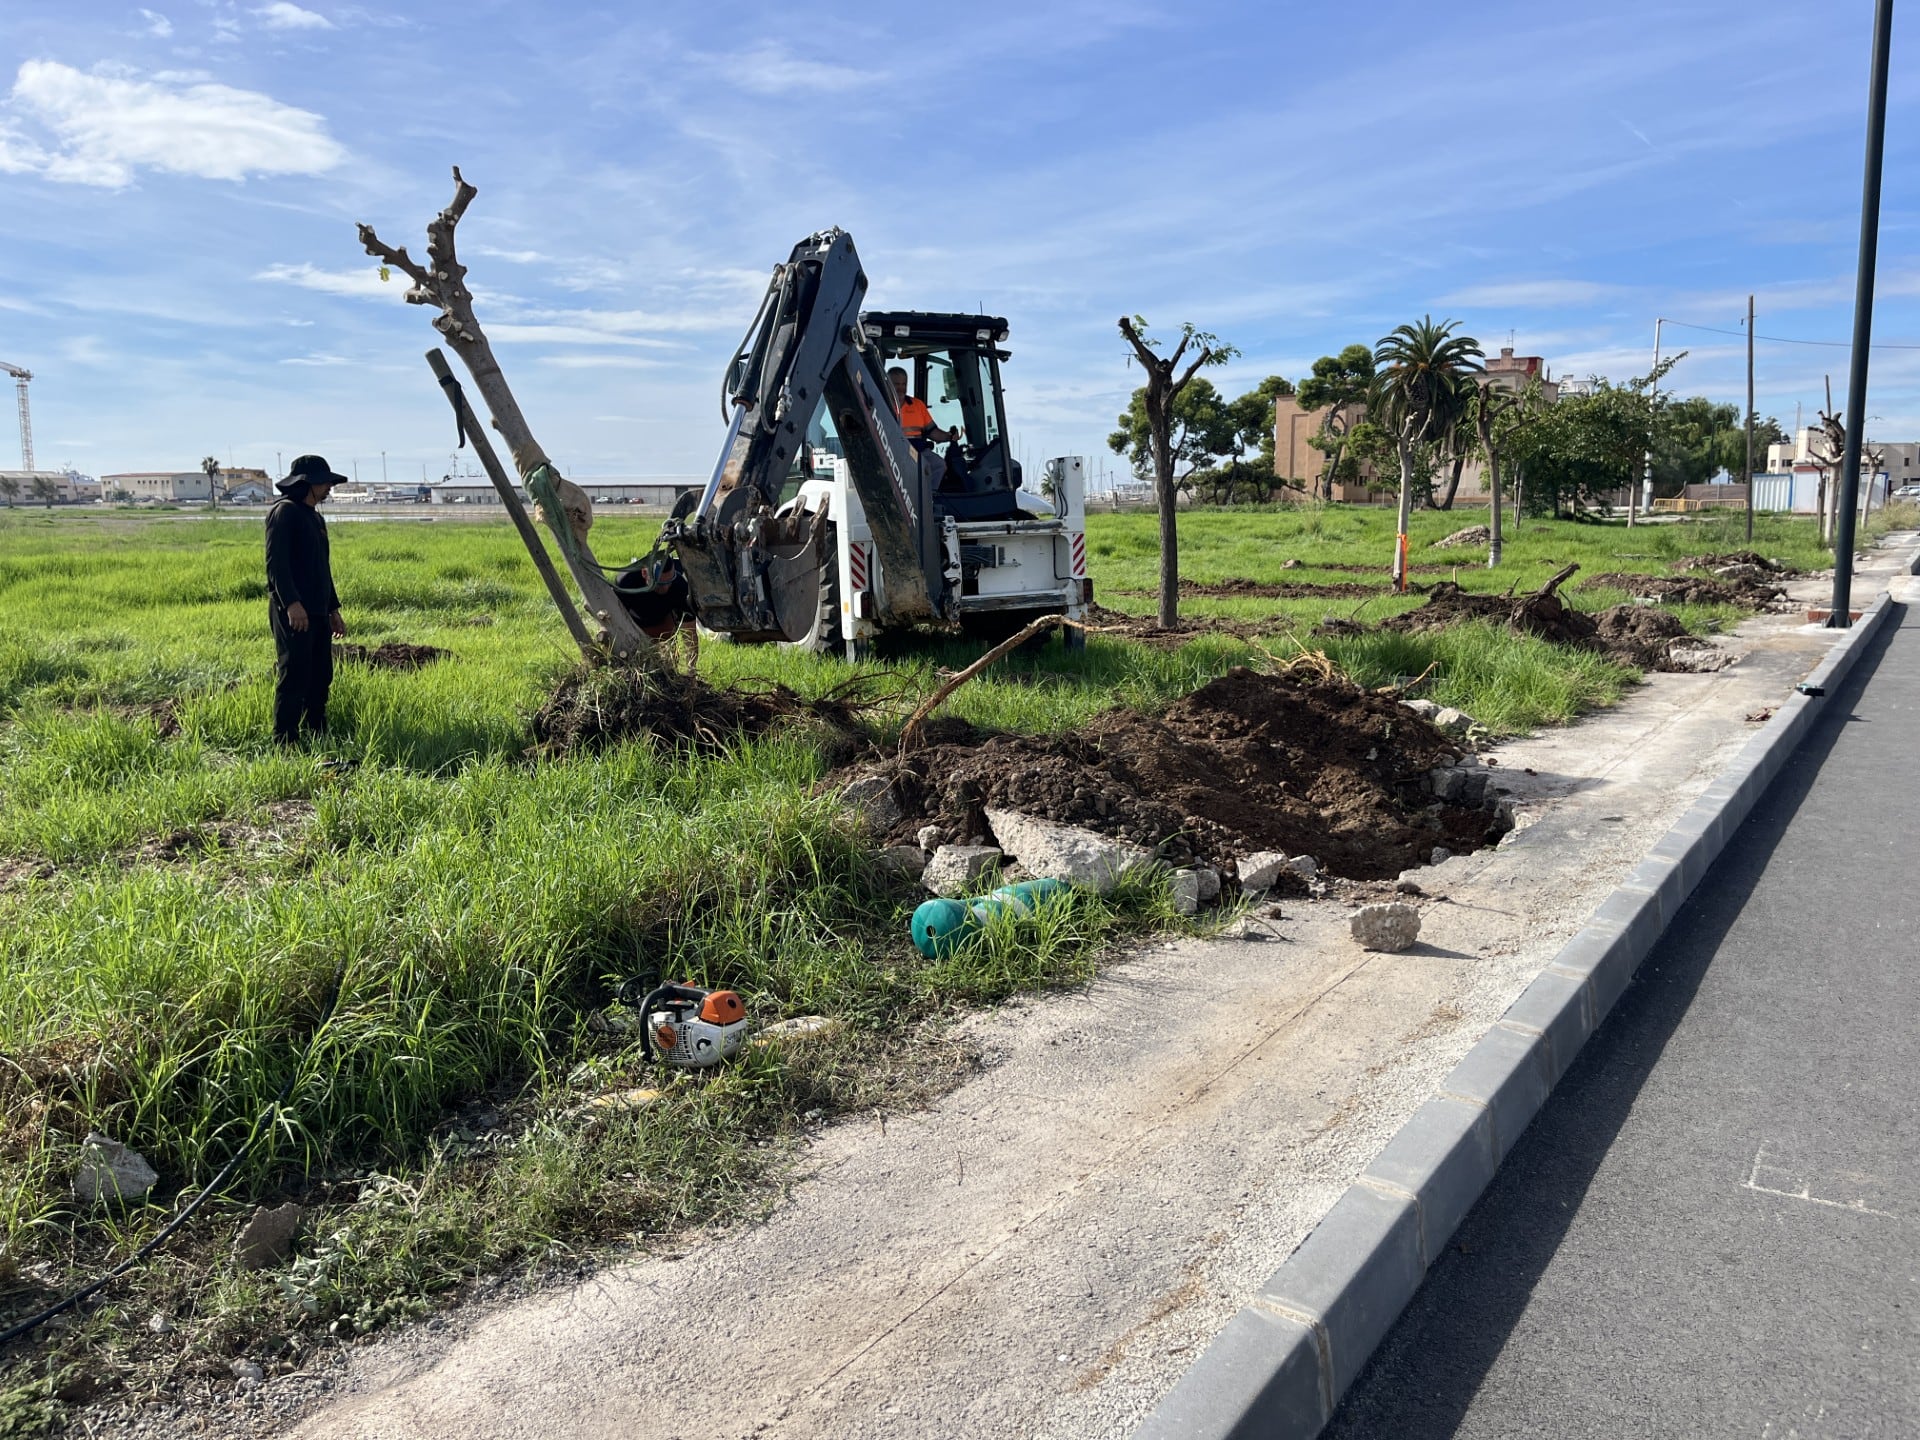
[940, 925]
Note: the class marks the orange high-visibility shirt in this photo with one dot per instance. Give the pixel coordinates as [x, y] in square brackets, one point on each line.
[915, 418]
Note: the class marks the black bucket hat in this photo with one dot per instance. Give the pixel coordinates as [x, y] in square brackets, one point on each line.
[308, 470]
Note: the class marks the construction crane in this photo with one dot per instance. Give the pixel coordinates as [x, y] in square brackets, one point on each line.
[21, 377]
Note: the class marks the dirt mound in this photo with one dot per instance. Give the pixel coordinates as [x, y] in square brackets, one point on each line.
[391, 655]
[1472, 535]
[592, 708]
[1738, 560]
[1246, 763]
[1147, 631]
[1747, 593]
[1655, 639]
[1263, 590]
[1542, 613]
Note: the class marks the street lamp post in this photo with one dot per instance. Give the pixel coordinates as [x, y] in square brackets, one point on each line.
[1646, 482]
[1840, 617]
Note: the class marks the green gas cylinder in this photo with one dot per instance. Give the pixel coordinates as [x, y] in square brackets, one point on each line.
[940, 925]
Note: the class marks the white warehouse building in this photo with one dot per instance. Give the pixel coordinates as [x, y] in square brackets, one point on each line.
[653, 492]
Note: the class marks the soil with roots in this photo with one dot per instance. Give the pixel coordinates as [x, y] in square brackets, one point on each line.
[1250, 762]
[1751, 590]
[594, 707]
[390, 655]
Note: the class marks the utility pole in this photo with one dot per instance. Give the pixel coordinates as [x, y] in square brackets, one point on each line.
[1749, 420]
[1841, 616]
[1646, 483]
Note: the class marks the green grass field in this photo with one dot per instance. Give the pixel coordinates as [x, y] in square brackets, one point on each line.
[179, 901]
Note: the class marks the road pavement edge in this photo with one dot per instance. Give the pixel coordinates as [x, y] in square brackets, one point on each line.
[1282, 1363]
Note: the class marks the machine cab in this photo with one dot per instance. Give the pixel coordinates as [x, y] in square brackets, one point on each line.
[953, 364]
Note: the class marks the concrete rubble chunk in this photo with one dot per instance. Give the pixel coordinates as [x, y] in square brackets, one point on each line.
[1472, 535]
[1049, 850]
[1440, 855]
[1386, 927]
[1449, 721]
[1186, 892]
[110, 1171]
[248, 1372]
[1305, 866]
[267, 1238]
[1446, 782]
[931, 838]
[1423, 708]
[1209, 883]
[957, 870]
[908, 860]
[1258, 871]
[872, 796]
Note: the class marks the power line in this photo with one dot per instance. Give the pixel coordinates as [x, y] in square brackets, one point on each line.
[1785, 339]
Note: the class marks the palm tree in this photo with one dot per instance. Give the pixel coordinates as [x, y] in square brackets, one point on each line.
[10, 488]
[212, 467]
[44, 490]
[1426, 381]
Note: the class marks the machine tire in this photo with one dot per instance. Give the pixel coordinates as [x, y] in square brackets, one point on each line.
[823, 636]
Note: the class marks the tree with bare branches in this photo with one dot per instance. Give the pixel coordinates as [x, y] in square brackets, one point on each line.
[564, 506]
[1165, 381]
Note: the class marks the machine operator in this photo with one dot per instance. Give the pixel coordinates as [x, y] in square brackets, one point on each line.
[916, 420]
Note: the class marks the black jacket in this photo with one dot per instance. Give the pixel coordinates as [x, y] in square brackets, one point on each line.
[298, 568]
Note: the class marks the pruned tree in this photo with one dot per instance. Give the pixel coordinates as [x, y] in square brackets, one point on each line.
[1426, 381]
[1165, 381]
[564, 506]
[1499, 414]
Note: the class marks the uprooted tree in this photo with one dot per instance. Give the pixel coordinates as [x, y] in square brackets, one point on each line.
[564, 506]
[1165, 381]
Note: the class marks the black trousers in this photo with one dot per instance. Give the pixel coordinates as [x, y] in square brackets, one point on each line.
[302, 673]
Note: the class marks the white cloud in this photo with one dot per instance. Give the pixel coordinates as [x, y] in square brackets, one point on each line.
[570, 335]
[361, 281]
[602, 362]
[316, 359]
[1531, 294]
[98, 128]
[158, 25]
[282, 15]
[769, 70]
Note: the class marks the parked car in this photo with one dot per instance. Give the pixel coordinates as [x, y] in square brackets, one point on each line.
[1907, 492]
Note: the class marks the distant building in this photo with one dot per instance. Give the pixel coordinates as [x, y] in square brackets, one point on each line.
[1297, 461]
[69, 487]
[1514, 372]
[160, 486]
[656, 494]
[1899, 459]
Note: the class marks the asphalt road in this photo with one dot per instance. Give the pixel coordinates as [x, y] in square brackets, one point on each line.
[1713, 1227]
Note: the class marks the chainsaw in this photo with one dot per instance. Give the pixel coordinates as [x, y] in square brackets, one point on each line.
[693, 1028]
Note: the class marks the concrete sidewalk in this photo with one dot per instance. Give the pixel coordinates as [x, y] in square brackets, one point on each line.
[1713, 1227]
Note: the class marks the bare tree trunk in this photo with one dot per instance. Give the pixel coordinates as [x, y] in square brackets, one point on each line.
[1166, 496]
[563, 505]
[1405, 447]
[1493, 482]
[1453, 483]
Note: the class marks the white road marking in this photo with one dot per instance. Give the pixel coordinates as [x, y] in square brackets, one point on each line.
[1804, 1190]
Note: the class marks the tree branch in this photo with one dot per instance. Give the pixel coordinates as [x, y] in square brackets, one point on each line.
[565, 507]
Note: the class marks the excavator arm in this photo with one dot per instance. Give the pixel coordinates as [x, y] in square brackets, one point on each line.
[753, 568]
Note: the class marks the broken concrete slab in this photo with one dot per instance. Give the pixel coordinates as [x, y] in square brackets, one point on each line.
[1258, 871]
[1052, 851]
[872, 796]
[1186, 892]
[958, 870]
[111, 1171]
[267, 1237]
[1392, 927]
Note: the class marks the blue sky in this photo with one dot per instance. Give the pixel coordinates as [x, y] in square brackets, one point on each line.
[179, 186]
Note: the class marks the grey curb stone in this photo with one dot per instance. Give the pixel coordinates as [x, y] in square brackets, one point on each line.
[1351, 1278]
[1507, 1073]
[1558, 1008]
[1282, 1363]
[1442, 1157]
[1264, 1379]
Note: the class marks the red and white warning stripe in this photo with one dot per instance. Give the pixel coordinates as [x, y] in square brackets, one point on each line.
[857, 564]
[1079, 547]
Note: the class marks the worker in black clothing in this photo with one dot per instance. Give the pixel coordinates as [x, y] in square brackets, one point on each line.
[301, 603]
